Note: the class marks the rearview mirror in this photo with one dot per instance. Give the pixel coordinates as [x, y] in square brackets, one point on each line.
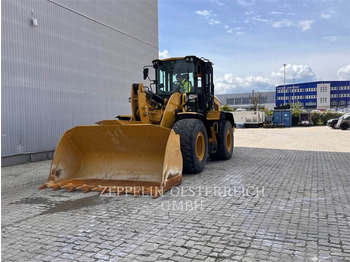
[145, 73]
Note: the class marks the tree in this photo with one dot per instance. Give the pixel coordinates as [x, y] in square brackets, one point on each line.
[255, 99]
[298, 105]
[262, 108]
[226, 108]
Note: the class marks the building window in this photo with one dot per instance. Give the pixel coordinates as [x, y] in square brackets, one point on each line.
[310, 89]
[323, 89]
[263, 99]
[323, 100]
[246, 100]
[230, 101]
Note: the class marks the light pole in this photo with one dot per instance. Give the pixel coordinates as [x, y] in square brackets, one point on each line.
[293, 94]
[284, 82]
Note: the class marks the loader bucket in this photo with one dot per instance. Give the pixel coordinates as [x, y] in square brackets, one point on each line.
[119, 157]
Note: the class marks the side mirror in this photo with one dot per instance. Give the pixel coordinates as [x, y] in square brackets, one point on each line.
[145, 73]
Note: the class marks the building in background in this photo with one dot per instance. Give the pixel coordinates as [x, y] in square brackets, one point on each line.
[320, 95]
[68, 63]
[243, 100]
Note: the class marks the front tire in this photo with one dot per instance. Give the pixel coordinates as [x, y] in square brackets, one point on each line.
[225, 141]
[194, 144]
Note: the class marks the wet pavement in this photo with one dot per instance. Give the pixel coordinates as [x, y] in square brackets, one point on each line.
[284, 196]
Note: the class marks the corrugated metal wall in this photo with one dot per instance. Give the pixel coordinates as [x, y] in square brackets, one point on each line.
[75, 68]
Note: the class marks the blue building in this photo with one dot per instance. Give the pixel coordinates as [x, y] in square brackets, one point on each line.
[315, 95]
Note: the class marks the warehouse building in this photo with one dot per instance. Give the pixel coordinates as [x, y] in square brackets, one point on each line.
[320, 95]
[68, 63]
[243, 100]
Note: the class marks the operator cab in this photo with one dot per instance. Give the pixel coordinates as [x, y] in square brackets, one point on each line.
[190, 75]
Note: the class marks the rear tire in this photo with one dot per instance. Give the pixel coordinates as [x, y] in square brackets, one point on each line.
[194, 144]
[225, 141]
[344, 126]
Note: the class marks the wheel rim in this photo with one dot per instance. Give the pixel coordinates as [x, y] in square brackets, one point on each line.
[200, 146]
[228, 140]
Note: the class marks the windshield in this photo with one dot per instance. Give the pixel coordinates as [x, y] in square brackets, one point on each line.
[176, 75]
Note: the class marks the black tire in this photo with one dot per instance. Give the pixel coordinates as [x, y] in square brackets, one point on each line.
[189, 130]
[333, 125]
[344, 126]
[225, 140]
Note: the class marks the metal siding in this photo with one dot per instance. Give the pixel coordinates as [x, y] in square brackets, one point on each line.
[270, 102]
[70, 70]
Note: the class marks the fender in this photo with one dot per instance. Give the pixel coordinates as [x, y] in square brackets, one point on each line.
[185, 115]
[227, 116]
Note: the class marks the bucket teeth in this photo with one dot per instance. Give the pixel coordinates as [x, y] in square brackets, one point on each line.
[120, 191]
[147, 191]
[136, 190]
[55, 187]
[70, 189]
[137, 193]
[103, 191]
[155, 192]
[43, 186]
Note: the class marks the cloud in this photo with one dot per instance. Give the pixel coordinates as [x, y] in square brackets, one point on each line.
[237, 30]
[327, 14]
[301, 73]
[249, 12]
[257, 18]
[214, 22]
[205, 12]
[331, 38]
[208, 14]
[343, 73]
[164, 54]
[305, 24]
[283, 23]
[276, 13]
[246, 3]
[217, 2]
[232, 84]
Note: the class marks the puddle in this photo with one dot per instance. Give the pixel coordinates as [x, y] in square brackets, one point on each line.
[68, 205]
[33, 201]
[65, 205]
[52, 207]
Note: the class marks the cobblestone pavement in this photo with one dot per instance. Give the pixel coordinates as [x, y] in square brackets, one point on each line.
[294, 207]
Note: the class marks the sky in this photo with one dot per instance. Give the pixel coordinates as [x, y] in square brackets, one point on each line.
[249, 40]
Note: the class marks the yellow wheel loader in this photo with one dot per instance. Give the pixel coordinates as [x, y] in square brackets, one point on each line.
[176, 123]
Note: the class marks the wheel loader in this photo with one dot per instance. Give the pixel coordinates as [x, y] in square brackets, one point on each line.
[175, 125]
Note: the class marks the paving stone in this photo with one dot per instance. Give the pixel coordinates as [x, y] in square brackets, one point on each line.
[301, 215]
